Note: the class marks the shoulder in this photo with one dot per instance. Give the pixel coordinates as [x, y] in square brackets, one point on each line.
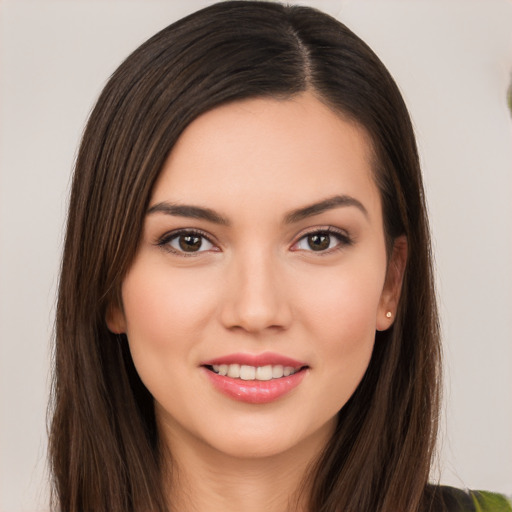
[442, 498]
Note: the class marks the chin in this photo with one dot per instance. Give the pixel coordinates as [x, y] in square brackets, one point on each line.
[269, 440]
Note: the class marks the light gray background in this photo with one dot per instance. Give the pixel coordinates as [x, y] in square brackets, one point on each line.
[452, 60]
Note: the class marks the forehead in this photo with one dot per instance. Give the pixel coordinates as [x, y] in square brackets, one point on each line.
[292, 151]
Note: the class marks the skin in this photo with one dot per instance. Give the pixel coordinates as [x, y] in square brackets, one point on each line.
[256, 285]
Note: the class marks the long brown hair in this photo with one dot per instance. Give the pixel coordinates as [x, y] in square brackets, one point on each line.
[104, 445]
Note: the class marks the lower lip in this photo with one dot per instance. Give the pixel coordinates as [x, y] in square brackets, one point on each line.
[255, 391]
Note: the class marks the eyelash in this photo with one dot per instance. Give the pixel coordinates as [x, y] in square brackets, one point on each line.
[344, 240]
[165, 240]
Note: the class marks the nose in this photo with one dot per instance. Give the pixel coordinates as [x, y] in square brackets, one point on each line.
[255, 296]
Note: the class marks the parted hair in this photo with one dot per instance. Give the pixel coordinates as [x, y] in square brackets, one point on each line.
[105, 451]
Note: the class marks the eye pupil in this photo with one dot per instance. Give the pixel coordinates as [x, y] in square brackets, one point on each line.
[319, 241]
[190, 243]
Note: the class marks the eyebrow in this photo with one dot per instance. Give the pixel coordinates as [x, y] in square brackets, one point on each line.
[199, 212]
[192, 212]
[323, 206]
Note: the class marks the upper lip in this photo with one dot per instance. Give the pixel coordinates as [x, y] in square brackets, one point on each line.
[263, 359]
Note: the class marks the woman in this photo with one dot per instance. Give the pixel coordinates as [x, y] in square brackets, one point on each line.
[246, 313]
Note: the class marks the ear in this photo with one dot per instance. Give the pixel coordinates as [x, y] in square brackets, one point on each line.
[388, 303]
[115, 319]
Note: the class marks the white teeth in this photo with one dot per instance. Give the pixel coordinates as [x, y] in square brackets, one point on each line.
[221, 369]
[277, 371]
[234, 371]
[288, 370]
[246, 372]
[264, 372]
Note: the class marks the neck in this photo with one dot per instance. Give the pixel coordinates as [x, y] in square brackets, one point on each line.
[203, 479]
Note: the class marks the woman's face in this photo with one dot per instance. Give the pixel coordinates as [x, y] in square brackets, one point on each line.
[263, 255]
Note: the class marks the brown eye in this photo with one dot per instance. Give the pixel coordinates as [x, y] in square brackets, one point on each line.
[190, 243]
[319, 241]
[187, 242]
[322, 241]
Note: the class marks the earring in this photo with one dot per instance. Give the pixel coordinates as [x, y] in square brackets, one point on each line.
[388, 314]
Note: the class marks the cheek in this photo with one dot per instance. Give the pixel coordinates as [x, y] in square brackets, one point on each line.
[165, 311]
[341, 317]
[345, 301]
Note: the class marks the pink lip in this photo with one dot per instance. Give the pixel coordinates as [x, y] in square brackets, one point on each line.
[255, 391]
[263, 359]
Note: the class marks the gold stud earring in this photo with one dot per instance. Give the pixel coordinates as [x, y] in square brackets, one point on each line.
[388, 314]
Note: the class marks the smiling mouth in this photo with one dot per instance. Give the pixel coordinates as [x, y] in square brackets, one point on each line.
[261, 373]
[255, 379]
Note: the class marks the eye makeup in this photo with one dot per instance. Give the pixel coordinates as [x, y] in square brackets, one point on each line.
[193, 242]
[323, 240]
[187, 242]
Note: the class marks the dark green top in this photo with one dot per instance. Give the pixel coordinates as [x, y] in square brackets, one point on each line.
[450, 499]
